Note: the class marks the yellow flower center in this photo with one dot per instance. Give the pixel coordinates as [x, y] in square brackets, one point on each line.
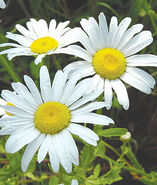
[109, 63]
[8, 112]
[43, 45]
[52, 117]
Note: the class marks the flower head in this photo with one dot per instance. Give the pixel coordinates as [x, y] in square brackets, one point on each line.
[2, 4]
[38, 39]
[46, 119]
[108, 54]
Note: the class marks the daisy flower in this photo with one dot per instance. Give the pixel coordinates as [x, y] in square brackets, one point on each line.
[109, 55]
[38, 39]
[73, 182]
[45, 120]
[2, 4]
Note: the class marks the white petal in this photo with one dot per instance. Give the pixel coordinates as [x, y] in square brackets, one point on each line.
[84, 133]
[137, 43]
[45, 84]
[89, 108]
[68, 88]
[22, 90]
[112, 30]
[92, 118]
[12, 55]
[58, 84]
[43, 28]
[60, 28]
[135, 82]
[53, 153]
[82, 37]
[11, 44]
[91, 28]
[71, 147]
[20, 39]
[17, 141]
[44, 148]
[25, 32]
[17, 51]
[17, 100]
[103, 30]
[79, 52]
[129, 34]
[121, 92]
[142, 75]
[108, 93]
[33, 89]
[39, 58]
[52, 26]
[79, 90]
[2, 4]
[86, 98]
[30, 152]
[64, 157]
[2, 102]
[120, 31]
[142, 60]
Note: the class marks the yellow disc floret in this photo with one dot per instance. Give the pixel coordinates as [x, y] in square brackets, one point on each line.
[109, 63]
[43, 45]
[52, 117]
[8, 112]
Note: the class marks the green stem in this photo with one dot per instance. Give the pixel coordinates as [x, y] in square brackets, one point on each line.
[9, 69]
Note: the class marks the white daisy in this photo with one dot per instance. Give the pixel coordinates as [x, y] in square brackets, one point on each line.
[109, 56]
[38, 39]
[45, 120]
[73, 182]
[2, 4]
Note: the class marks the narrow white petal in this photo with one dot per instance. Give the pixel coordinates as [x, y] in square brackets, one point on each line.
[2, 4]
[53, 153]
[112, 30]
[89, 108]
[71, 147]
[142, 75]
[11, 44]
[108, 93]
[142, 60]
[17, 51]
[84, 133]
[19, 38]
[17, 141]
[103, 30]
[60, 28]
[120, 31]
[135, 82]
[121, 92]
[58, 84]
[92, 118]
[52, 26]
[91, 28]
[12, 55]
[30, 152]
[79, 90]
[64, 157]
[33, 89]
[82, 37]
[44, 148]
[39, 58]
[129, 34]
[2, 102]
[86, 98]
[68, 88]
[137, 43]
[25, 32]
[79, 52]
[43, 28]
[17, 100]
[22, 90]
[45, 84]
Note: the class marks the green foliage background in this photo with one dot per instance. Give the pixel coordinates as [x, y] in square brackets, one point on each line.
[112, 161]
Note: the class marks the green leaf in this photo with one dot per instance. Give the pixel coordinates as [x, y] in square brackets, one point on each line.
[53, 181]
[112, 132]
[100, 150]
[97, 171]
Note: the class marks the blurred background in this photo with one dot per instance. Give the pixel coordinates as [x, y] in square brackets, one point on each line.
[140, 119]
